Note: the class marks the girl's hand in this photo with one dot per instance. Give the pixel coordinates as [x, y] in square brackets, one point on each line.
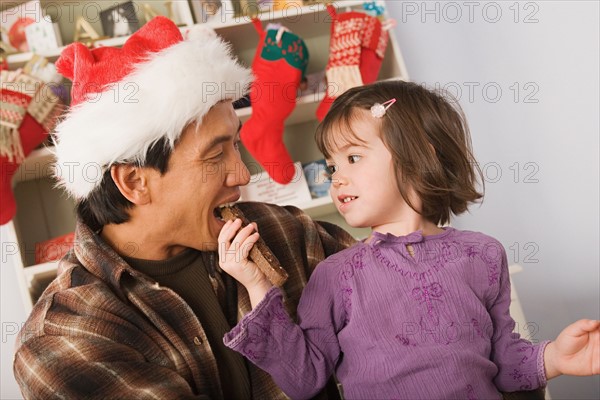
[234, 247]
[576, 350]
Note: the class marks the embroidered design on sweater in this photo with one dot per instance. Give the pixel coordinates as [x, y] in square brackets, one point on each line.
[471, 251]
[350, 266]
[526, 349]
[404, 340]
[347, 302]
[427, 295]
[523, 379]
[406, 272]
[357, 259]
[471, 393]
[491, 254]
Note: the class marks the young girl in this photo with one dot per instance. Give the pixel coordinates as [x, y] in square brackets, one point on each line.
[415, 310]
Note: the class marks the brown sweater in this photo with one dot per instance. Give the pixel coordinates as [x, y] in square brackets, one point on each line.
[187, 275]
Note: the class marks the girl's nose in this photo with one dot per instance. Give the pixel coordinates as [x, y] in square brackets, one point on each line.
[338, 180]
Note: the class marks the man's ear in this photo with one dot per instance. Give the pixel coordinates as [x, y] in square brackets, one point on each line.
[132, 182]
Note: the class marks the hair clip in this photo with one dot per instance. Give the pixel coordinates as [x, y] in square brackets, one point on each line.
[378, 110]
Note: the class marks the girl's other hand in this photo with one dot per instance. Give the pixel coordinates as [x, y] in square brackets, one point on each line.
[576, 350]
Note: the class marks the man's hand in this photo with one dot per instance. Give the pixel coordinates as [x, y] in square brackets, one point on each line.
[576, 350]
[234, 247]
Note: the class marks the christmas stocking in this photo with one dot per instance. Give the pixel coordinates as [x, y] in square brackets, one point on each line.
[28, 112]
[278, 66]
[356, 52]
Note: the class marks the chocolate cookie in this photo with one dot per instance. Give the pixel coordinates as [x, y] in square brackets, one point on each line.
[260, 252]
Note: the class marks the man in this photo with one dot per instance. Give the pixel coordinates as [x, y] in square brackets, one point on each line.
[150, 151]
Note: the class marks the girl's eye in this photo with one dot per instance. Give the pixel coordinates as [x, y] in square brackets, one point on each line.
[353, 159]
[330, 170]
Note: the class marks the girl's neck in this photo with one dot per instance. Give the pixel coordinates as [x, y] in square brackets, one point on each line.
[408, 226]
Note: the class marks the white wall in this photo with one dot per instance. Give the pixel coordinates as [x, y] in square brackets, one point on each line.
[554, 60]
[12, 316]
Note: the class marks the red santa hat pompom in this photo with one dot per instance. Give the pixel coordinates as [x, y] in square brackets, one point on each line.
[125, 99]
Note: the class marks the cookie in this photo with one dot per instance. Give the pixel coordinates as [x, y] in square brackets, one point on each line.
[260, 252]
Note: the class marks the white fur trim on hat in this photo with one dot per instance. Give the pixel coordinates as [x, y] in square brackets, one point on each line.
[174, 87]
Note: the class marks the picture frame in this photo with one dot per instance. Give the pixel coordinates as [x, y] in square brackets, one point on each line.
[264, 189]
[317, 178]
[120, 20]
[14, 20]
[43, 36]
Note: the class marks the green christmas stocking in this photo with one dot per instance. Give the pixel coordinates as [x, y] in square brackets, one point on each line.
[278, 66]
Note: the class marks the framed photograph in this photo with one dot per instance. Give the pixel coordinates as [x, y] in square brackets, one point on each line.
[317, 178]
[43, 36]
[121, 20]
[263, 188]
[14, 20]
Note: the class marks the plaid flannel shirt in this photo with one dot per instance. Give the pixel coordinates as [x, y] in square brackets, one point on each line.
[104, 330]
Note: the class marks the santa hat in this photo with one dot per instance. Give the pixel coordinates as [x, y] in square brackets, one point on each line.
[126, 99]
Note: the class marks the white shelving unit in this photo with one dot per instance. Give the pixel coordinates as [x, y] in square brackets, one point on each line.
[44, 212]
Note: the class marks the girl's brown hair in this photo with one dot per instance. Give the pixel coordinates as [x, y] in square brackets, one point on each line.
[428, 138]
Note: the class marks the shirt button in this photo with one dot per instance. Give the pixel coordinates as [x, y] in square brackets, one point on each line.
[197, 341]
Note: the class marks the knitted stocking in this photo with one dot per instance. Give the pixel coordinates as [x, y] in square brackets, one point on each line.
[357, 47]
[26, 118]
[278, 67]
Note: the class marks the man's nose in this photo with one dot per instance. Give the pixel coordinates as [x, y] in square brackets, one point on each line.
[237, 172]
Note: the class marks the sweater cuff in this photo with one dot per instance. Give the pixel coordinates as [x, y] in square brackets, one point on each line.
[541, 367]
[239, 333]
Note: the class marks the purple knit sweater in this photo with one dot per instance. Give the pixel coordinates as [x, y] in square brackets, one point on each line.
[391, 325]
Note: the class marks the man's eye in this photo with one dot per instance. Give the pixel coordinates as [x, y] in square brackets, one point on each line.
[236, 144]
[216, 157]
[353, 159]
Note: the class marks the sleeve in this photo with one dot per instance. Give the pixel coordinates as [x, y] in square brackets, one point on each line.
[82, 342]
[300, 358]
[75, 367]
[520, 363]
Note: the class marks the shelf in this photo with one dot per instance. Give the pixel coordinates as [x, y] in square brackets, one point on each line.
[226, 27]
[291, 13]
[319, 207]
[514, 269]
[20, 59]
[40, 269]
[306, 107]
[40, 281]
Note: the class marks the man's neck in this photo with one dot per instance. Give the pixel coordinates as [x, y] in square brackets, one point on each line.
[136, 242]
